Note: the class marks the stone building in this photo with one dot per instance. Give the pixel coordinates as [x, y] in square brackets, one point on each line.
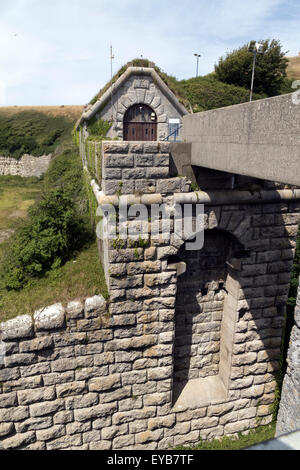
[139, 105]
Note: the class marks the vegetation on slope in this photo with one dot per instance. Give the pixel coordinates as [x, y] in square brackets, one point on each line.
[206, 93]
[80, 277]
[34, 265]
[217, 90]
[270, 70]
[32, 132]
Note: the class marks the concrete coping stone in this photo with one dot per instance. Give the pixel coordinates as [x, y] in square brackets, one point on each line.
[96, 303]
[19, 327]
[50, 318]
[74, 309]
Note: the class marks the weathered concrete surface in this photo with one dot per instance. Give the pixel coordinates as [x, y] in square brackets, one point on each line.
[289, 411]
[258, 139]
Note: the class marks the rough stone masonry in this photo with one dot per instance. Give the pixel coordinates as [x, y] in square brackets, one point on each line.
[176, 355]
[289, 411]
[28, 165]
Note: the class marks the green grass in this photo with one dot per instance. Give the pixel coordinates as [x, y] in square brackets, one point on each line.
[16, 196]
[241, 441]
[80, 277]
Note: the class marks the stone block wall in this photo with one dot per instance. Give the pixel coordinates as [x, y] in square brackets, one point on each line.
[102, 377]
[201, 294]
[289, 411]
[27, 166]
[139, 168]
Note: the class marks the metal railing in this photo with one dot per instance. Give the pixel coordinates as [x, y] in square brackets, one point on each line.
[175, 133]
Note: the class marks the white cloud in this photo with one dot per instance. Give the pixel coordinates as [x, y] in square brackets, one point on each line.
[58, 52]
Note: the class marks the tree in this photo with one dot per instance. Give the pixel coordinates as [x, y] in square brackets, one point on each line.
[270, 71]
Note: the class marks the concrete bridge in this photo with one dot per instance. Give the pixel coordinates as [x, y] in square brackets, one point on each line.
[259, 139]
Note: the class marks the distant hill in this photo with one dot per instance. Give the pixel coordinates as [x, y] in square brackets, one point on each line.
[69, 112]
[293, 70]
[37, 130]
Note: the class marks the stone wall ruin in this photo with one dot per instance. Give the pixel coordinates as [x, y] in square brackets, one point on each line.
[28, 165]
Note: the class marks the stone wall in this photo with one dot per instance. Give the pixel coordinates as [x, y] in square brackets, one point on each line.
[199, 309]
[174, 357]
[289, 411]
[28, 165]
[139, 168]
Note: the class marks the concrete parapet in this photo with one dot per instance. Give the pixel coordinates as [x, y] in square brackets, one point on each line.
[258, 139]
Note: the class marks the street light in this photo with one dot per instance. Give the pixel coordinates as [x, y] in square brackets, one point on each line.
[255, 48]
[198, 56]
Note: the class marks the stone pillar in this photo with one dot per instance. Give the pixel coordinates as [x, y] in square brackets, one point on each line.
[289, 411]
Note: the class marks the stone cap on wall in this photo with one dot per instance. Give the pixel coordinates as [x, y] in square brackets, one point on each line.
[51, 318]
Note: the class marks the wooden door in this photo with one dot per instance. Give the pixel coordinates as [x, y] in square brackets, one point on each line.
[140, 123]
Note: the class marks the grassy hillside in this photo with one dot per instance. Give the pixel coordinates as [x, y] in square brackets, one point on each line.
[52, 257]
[293, 70]
[37, 130]
[206, 93]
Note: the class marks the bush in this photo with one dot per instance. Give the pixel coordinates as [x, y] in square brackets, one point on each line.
[32, 132]
[209, 93]
[99, 127]
[57, 226]
[270, 71]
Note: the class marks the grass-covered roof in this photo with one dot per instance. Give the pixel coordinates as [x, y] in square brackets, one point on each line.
[195, 94]
[170, 81]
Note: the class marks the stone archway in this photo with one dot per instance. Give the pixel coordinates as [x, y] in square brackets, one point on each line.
[140, 123]
[206, 315]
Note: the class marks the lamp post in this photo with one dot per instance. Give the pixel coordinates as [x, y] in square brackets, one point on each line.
[255, 48]
[198, 56]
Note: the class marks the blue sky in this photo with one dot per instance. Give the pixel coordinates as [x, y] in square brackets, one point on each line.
[57, 51]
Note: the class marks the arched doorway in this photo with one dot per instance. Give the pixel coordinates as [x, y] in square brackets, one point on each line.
[140, 123]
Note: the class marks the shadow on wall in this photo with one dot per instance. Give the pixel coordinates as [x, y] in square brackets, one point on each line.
[230, 309]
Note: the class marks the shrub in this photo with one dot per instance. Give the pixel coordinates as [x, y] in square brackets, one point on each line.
[57, 226]
[32, 132]
[209, 93]
[99, 127]
[270, 71]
